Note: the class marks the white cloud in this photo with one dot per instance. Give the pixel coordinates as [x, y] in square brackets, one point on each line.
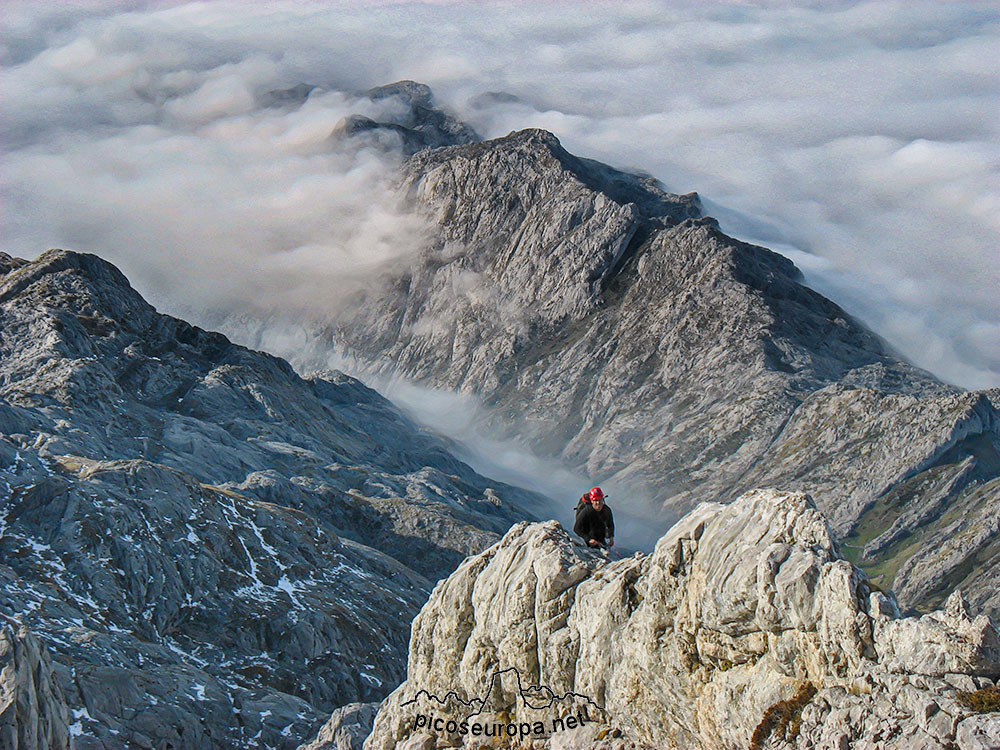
[862, 136]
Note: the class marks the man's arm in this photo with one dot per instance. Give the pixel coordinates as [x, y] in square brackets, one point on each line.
[610, 525]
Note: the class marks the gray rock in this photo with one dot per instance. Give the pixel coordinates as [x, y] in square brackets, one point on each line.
[189, 614]
[33, 713]
[216, 552]
[605, 322]
[347, 728]
[745, 627]
[979, 733]
[293, 96]
[88, 368]
[417, 124]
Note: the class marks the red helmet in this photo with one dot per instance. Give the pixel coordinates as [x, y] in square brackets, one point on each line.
[596, 494]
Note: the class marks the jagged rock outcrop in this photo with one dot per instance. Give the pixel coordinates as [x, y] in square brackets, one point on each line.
[216, 551]
[186, 614]
[291, 97]
[409, 120]
[414, 125]
[744, 628]
[607, 322]
[33, 714]
[347, 728]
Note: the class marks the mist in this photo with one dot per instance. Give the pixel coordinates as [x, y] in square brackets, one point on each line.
[860, 140]
[465, 423]
[639, 520]
[167, 164]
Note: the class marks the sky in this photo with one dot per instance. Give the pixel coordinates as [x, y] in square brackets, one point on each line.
[859, 139]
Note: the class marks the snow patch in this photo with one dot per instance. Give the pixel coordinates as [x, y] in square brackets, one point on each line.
[288, 587]
[371, 678]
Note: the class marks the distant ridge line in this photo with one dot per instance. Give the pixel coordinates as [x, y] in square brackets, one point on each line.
[481, 702]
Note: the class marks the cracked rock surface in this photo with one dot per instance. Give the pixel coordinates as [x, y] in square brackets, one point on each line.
[214, 551]
[608, 323]
[33, 713]
[743, 613]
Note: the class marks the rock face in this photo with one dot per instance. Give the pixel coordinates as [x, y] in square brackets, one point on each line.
[412, 125]
[216, 552]
[33, 714]
[347, 728]
[744, 628]
[606, 322]
[409, 120]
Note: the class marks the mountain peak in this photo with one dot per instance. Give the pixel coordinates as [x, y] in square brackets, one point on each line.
[750, 599]
[21, 273]
[537, 154]
[8, 263]
[533, 136]
[416, 124]
[608, 323]
[182, 507]
[413, 93]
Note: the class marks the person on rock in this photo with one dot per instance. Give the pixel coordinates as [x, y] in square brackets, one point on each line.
[594, 521]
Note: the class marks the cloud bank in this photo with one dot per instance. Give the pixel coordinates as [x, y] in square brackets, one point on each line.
[860, 139]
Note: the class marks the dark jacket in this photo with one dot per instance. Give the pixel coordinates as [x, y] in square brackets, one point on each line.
[593, 524]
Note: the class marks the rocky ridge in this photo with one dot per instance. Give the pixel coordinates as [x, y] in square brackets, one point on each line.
[214, 551]
[607, 322]
[744, 628]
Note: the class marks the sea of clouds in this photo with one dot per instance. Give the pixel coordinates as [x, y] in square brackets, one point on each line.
[859, 139]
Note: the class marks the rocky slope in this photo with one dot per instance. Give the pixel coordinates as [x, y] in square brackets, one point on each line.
[744, 628]
[215, 551]
[605, 321]
[33, 713]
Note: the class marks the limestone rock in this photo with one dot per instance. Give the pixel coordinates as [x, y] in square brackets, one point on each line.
[744, 628]
[979, 733]
[415, 124]
[90, 369]
[216, 552]
[33, 714]
[347, 728]
[606, 322]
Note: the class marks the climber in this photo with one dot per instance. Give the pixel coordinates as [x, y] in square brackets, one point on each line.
[594, 520]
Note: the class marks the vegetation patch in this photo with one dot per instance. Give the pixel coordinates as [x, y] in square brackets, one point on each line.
[983, 701]
[784, 718]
